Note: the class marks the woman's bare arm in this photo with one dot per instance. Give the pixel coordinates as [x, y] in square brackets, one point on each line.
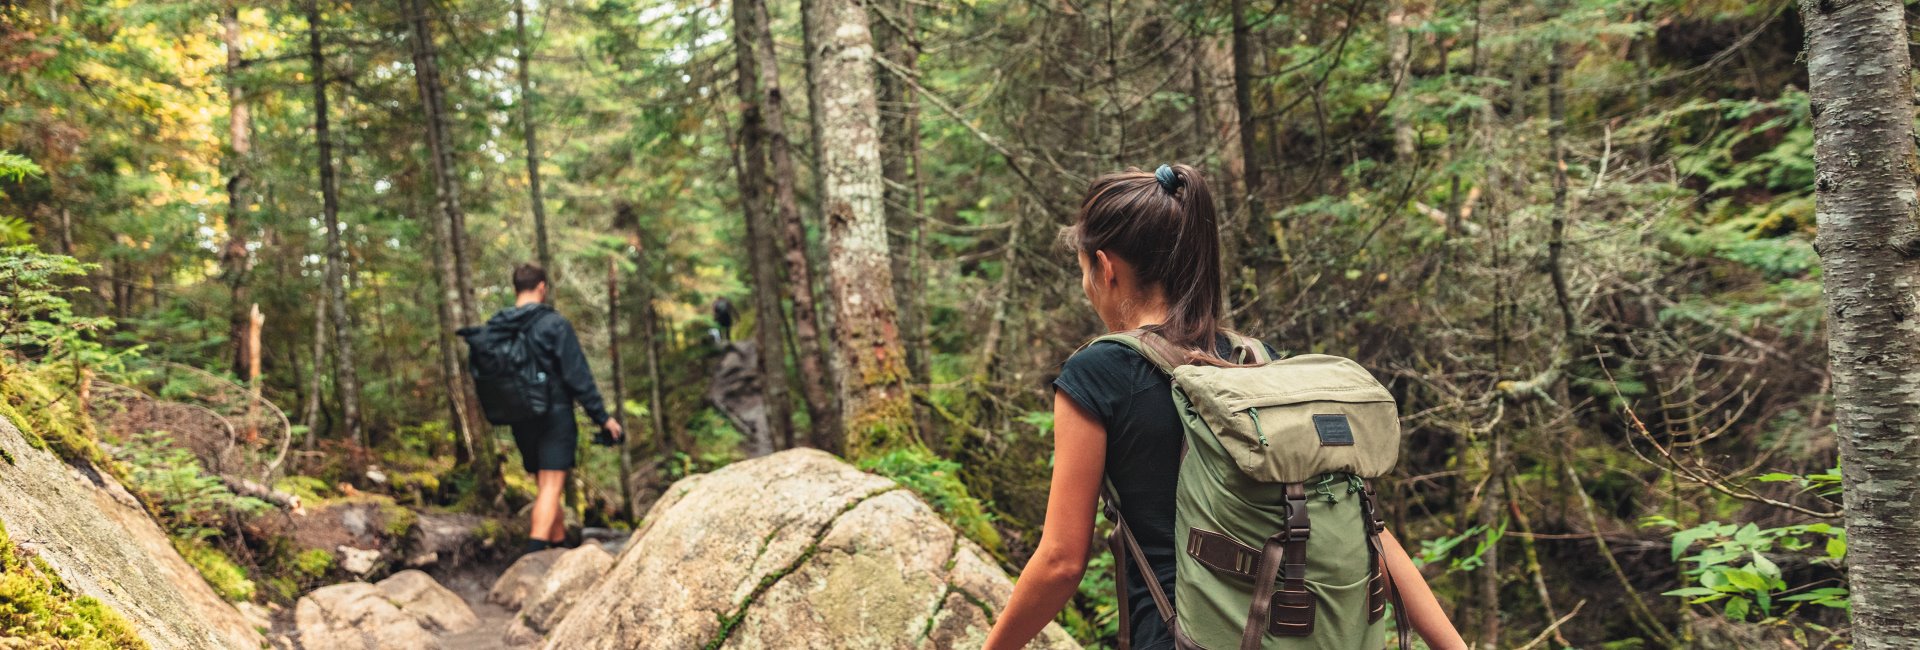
[1423, 610]
[1052, 576]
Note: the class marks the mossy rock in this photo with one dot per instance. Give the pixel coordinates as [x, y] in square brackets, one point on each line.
[35, 606]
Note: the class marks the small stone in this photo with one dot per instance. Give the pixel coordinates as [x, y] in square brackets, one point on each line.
[434, 606]
[423, 560]
[519, 581]
[359, 562]
[376, 476]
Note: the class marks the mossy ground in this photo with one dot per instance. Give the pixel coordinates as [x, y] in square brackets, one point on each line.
[37, 607]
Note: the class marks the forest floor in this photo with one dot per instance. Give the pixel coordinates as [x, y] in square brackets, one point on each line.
[471, 583]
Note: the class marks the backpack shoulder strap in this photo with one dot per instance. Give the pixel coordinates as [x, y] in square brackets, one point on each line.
[1123, 545]
[1247, 349]
[1162, 353]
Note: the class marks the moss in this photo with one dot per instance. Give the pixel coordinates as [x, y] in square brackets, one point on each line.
[35, 606]
[311, 490]
[938, 481]
[6, 456]
[426, 482]
[222, 573]
[491, 532]
[396, 519]
[313, 563]
[48, 415]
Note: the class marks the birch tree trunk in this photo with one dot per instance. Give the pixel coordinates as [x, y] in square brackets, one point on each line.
[1859, 70]
[815, 379]
[751, 169]
[876, 410]
[346, 378]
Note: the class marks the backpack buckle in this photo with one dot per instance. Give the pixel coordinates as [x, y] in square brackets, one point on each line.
[1298, 526]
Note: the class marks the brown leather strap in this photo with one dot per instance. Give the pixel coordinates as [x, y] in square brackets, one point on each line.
[1383, 573]
[1292, 541]
[1222, 553]
[1123, 544]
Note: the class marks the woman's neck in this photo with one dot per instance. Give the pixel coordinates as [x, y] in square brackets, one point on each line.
[1149, 311]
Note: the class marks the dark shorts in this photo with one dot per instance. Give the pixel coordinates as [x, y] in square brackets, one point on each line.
[548, 442]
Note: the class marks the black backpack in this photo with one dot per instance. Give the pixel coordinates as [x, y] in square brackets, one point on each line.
[507, 372]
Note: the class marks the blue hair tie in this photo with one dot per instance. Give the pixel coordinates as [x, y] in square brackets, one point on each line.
[1168, 180]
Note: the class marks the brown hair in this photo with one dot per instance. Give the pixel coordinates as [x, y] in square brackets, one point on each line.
[1163, 224]
[527, 277]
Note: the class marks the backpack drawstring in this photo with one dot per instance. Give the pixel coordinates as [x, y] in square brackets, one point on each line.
[1254, 414]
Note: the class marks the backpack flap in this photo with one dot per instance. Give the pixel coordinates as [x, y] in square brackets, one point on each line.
[1287, 421]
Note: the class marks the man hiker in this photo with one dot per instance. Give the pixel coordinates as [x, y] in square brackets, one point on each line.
[548, 440]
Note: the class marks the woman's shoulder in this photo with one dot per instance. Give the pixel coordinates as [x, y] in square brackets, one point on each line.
[1104, 356]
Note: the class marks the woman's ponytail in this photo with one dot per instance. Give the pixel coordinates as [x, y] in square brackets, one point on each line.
[1163, 223]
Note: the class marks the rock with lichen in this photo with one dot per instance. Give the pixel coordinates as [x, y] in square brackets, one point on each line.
[793, 550]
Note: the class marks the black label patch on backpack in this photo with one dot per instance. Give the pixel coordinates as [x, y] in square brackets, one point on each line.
[1333, 429]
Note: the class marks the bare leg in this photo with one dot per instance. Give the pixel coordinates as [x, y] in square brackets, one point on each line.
[549, 524]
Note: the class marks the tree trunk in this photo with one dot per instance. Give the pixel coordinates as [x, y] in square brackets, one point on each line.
[876, 411]
[233, 257]
[1399, 55]
[815, 378]
[896, 38]
[750, 167]
[625, 220]
[310, 417]
[450, 225]
[1858, 68]
[525, 50]
[1256, 226]
[346, 378]
[619, 401]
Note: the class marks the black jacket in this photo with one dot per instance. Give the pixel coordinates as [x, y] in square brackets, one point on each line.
[559, 351]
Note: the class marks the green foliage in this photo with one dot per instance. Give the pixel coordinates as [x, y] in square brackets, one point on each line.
[1733, 566]
[194, 504]
[938, 481]
[225, 576]
[1436, 550]
[37, 608]
[35, 313]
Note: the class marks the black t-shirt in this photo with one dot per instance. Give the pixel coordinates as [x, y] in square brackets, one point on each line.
[1134, 401]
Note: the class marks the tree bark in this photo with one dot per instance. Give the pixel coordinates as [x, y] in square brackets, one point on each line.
[1859, 75]
[750, 168]
[896, 39]
[624, 219]
[310, 418]
[455, 268]
[815, 378]
[619, 401]
[234, 257]
[876, 410]
[525, 71]
[1399, 56]
[346, 378]
[1255, 178]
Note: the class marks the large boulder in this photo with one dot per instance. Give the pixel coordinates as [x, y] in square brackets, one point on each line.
[101, 543]
[572, 575]
[793, 550]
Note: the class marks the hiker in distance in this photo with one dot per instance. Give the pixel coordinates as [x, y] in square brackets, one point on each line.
[1238, 483]
[529, 371]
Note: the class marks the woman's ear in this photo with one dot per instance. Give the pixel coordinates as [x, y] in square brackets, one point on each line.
[1104, 271]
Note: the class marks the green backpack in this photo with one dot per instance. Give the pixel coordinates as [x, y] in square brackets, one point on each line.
[1275, 529]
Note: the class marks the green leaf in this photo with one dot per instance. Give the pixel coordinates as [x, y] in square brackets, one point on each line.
[1737, 608]
[1747, 580]
[1837, 547]
[1765, 567]
[1691, 591]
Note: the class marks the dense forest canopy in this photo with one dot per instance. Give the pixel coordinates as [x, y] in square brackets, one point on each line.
[1574, 237]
